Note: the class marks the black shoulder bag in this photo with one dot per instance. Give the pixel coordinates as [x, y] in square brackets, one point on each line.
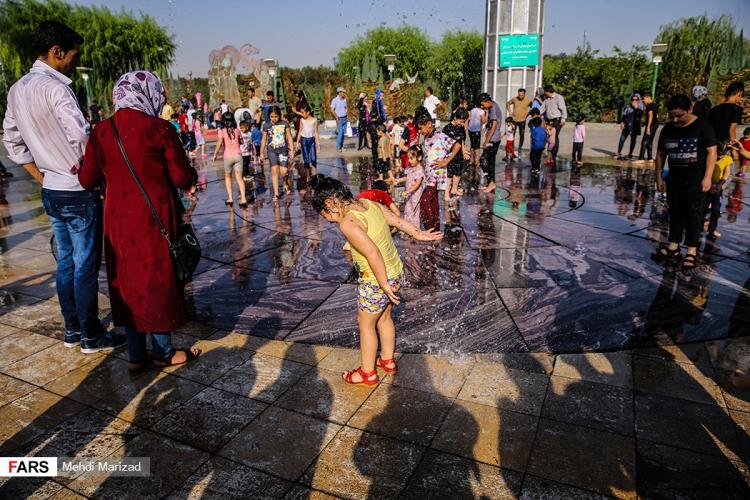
[185, 250]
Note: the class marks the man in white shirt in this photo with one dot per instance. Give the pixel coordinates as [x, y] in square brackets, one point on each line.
[46, 133]
[431, 102]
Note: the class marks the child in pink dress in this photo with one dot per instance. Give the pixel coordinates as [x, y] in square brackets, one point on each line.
[414, 185]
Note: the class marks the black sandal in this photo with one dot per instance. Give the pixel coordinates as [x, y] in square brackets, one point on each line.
[228, 203]
[167, 361]
[689, 263]
[665, 253]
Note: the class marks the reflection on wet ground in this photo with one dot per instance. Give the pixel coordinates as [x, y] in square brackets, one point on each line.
[559, 260]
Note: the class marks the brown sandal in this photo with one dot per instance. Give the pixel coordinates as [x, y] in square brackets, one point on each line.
[190, 355]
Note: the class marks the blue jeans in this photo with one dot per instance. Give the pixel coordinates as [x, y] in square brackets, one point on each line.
[341, 131]
[309, 152]
[161, 344]
[76, 218]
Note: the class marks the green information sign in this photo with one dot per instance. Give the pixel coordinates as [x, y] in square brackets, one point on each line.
[519, 50]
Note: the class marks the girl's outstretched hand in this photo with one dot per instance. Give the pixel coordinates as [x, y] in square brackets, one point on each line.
[391, 294]
[430, 235]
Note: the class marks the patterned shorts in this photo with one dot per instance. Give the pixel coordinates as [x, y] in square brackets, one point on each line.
[372, 299]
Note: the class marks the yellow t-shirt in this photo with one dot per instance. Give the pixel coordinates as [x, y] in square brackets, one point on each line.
[380, 234]
[722, 164]
[167, 112]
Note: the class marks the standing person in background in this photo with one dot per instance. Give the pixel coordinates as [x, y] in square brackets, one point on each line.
[308, 141]
[630, 126]
[168, 111]
[340, 111]
[689, 144]
[377, 117]
[269, 103]
[231, 139]
[538, 139]
[477, 117]
[224, 107]
[553, 109]
[726, 116]
[431, 102]
[579, 136]
[492, 137]
[253, 104]
[518, 109]
[702, 104]
[363, 124]
[95, 114]
[46, 133]
[297, 110]
[651, 120]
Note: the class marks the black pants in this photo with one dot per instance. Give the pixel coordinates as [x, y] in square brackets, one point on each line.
[686, 211]
[647, 143]
[374, 142]
[536, 158]
[521, 127]
[362, 132]
[246, 166]
[488, 161]
[713, 210]
[557, 124]
[624, 137]
[577, 151]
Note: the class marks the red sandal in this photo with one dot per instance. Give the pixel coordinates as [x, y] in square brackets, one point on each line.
[383, 363]
[366, 377]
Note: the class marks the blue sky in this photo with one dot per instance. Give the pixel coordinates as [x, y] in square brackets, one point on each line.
[299, 33]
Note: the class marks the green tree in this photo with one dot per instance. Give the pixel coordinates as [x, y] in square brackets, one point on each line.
[410, 45]
[700, 49]
[457, 61]
[114, 42]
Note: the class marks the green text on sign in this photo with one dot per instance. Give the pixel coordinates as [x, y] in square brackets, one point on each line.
[519, 50]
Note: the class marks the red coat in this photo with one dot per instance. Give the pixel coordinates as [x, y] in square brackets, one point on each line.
[143, 289]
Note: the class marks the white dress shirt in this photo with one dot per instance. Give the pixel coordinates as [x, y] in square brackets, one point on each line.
[44, 125]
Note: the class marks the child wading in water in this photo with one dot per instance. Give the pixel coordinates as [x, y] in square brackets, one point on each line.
[366, 226]
[279, 146]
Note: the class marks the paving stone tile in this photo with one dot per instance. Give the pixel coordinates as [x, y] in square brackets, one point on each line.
[91, 433]
[214, 361]
[601, 406]
[210, 419]
[12, 388]
[30, 488]
[676, 422]
[299, 492]
[585, 458]
[487, 434]
[742, 421]
[736, 399]
[695, 354]
[676, 380]
[613, 368]
[358, 464]
[195, 329]
[667, 472]
[262, 377]
[402, 413]
[340, 359]
[301, 353]
[446, 476]
[493, 384]
[47, 365]
[443, 375]
[146, 400]
[171, 464]
[66, 494]
[325, 395]
[6, 330]
[537, 488]
[22, 344]
[281, 442]
[535, 362]
[221, 478]
[92, 381]
[29, 416]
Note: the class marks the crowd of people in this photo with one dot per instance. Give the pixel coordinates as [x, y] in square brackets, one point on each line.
[140, 156]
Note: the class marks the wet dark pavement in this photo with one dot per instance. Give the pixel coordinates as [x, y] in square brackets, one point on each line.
[558, 261]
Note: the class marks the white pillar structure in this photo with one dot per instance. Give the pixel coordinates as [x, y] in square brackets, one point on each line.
[513, 17]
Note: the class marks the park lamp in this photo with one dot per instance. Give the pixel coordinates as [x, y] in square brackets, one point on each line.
[656, 50]
[390, 61]
[84, 72]
[271, 65]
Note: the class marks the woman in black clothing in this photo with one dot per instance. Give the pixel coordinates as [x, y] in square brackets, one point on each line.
[630, 126]
[363, 126]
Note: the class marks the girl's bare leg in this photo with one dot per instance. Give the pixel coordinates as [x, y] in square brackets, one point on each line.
[387, 333]
[228, 185]
[241, 184]
[275, 179]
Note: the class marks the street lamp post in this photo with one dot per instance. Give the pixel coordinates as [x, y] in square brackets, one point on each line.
[390, 61]
[656, 50]
[271, 65]
[86, 83]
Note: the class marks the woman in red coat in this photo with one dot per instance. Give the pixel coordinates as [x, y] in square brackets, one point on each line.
[144, 291]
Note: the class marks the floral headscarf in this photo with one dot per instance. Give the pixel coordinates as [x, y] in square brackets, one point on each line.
[139, 90]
